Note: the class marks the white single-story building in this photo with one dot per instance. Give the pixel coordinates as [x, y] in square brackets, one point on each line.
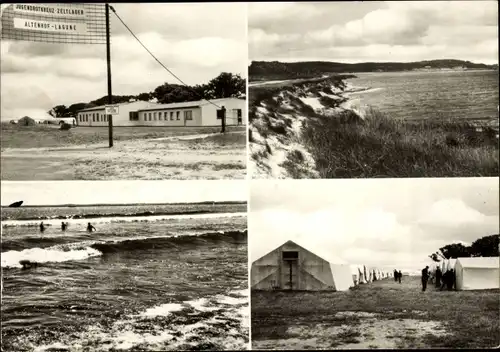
[193, 113]
[96, 116]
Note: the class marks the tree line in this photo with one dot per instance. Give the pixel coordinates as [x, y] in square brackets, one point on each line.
[486, 246]
[259, 70]
[225, 85]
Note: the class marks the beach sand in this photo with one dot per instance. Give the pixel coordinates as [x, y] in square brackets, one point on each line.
[196, 156]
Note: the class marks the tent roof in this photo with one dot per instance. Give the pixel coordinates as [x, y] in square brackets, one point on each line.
[313, 248]
[320, 252]
[480, 262]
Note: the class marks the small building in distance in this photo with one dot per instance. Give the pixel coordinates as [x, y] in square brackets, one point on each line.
[190, 114]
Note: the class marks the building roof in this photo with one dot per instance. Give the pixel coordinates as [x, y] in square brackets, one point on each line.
[187, 104]
[102, 107]
[480, 262]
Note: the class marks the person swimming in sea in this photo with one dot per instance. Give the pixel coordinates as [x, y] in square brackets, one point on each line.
[42, 227]
[90, 228]
[64, 225]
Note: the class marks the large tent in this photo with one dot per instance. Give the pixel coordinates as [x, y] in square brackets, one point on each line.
[296, 266]
[477, 273]
[450, 264]
[443, 266]
[361, 271]
[366, 273]
[356, 277]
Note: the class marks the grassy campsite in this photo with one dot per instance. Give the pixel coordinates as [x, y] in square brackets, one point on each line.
[380, 314]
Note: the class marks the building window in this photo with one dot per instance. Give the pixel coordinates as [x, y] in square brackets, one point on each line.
[188, 115]
[171, 115]
[133, 116]
[87, 118]
[238, 114]
[154, 116]
[93, 117]
[149, 115]
[178, 114]
[159, 116]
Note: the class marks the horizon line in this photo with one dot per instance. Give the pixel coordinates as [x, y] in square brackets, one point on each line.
[124, 204]
[298, 60]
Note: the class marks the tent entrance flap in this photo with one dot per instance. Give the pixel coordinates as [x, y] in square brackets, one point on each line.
[290, 266]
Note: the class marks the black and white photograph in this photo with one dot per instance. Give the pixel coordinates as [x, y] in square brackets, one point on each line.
[183, 176]
[374, 264]
[124, 265]
[366, 89]
[166, 101]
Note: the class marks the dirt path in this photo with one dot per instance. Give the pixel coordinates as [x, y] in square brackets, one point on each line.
[201, 156]
[370, 331]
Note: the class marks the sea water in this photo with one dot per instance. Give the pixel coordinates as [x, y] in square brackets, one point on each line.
[147, 279]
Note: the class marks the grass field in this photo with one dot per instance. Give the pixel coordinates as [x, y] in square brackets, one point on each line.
[46, 153]
[383, 314]
[45, 136]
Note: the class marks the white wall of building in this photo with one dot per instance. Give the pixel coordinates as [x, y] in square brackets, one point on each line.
[209, 112]
[204, 114]
[188, 116]
[98, 118]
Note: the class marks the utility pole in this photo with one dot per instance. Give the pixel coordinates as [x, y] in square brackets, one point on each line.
[108, 62]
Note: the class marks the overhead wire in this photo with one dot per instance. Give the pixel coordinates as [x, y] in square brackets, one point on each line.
[154, 57]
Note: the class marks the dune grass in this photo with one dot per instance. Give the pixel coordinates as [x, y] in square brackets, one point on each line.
[469, 317]
[380, 146]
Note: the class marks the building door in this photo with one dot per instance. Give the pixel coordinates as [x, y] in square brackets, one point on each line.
[289, 272]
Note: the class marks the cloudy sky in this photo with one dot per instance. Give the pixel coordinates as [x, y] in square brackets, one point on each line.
[374, 31]
[121, 192]
[385, 223]
[196, 41]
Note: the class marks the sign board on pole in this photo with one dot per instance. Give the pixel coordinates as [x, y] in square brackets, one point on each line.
[67, 23]
[112, 109]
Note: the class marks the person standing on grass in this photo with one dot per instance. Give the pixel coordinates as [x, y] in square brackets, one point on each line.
[400, 275]
[425, 278]
[444, 280]
[438, 277]
[395, 275]
[451, 280]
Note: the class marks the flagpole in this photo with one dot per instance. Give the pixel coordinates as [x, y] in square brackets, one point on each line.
[108, 62]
